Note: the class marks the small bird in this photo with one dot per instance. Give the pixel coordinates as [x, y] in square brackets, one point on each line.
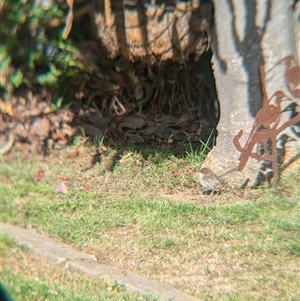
[209, 180]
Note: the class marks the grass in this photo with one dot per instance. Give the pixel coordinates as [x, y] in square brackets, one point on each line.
[149, 216]
[30, 277]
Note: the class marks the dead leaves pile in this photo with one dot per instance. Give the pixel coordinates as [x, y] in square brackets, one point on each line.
[38, 126]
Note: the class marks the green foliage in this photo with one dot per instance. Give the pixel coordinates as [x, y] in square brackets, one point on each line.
[33, 52]
[198, 155]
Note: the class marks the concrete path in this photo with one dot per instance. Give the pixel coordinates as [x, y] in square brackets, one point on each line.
[60, 253]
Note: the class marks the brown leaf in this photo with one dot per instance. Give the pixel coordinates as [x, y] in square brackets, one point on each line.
[60, 143]
[75, 153]
[59, 135]
[23, 147]
[91, 131]
[133, 138]
[7, 181]
[40, 127]
[133, 123]
[20, 131]
[6, 108]
[40, 176]
[63, 177]
[56, 119]
[169, 120]
[148, 131]
[88, 188]
[118, 118]
[99, 121]
[32, 112]
[70, 131]
[176, 174]
[3, 125]
[62, 187]
[163, 132]
[184, 119]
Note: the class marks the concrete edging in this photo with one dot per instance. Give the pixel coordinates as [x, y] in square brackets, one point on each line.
[60, 253]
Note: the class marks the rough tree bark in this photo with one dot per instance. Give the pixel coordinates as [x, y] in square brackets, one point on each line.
[259, 127]
[256, 68]
[153, 30]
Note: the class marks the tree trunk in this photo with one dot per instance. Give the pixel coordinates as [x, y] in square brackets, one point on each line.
[256, 67]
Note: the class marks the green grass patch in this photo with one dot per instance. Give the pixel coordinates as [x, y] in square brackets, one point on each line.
[250, 248]
[28, 277]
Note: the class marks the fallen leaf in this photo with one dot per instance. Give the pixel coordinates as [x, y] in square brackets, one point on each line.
[60, 143]
[40, 127]
[163, 132]
[176, 174]
[7, 181]
[118, 118]
[75, 153]
[132, 123]
[99, 121]
[169, 120]
[62, 188]
[63, 177]
[32, 112]
[20, 131]
[6, 108]
[40, 176]
[59, 135]
[148, 131]
[91, 131]
[184, 120]
[133, 138]
[88, 188]
[3, 125]
[70, 131]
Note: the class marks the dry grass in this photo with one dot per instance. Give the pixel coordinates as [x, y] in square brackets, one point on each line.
[149, 216]
[31, 277]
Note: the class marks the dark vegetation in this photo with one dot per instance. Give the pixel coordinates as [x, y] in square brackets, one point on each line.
[50, 63]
